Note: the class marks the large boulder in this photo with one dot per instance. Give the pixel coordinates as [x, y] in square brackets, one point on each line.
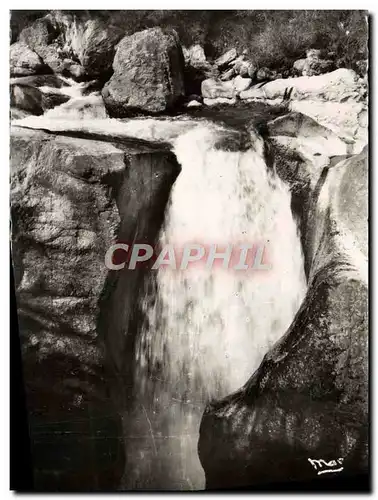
[148, 73]
[71, 199]
[92, 41]
[42, 37]
[63, 220]
[308, 400]
[47, 37]
[24, 61]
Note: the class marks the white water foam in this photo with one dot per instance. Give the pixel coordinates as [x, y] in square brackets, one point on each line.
[208, 330]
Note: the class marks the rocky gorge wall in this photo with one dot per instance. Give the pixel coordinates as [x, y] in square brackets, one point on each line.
[71, 199]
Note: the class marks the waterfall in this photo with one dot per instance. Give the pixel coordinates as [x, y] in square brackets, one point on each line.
[206, 331]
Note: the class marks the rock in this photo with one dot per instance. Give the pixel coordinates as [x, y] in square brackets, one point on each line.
[193, 104]
[148, 74]
[65, 216]
[245, 69]
[335, 86]
[224, 60]
[335, 100]
[53, 99]
[295, 134]
[228, 75]
[27, 98]
[343, 118]
[24, 61]
[219, 100]
[63, 35]
[214, 88]
[313, 54]
[362, 67]
[41, 37]
[242, 84]
[40, 81]
[93, 42]
[252, 70]
[317, 67]
[299, 66]
[309, 397]
[60, 232]
[18, 114]
[264, 74]
[76, 71]
[238, 63]
[194, 97]
[34, 100]
[196, 55]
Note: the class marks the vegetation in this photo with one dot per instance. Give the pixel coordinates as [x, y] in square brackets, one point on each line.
[273, 38]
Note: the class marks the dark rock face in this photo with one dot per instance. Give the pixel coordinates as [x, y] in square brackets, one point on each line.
[309, 397]
[68, 201]
[148, 74]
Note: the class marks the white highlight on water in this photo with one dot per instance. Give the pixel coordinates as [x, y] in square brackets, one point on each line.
[209, 329]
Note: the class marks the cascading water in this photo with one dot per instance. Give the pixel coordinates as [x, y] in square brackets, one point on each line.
[206, 330]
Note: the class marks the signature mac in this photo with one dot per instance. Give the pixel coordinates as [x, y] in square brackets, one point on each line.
[239, 257]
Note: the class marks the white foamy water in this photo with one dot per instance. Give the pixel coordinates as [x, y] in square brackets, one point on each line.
[208, 330]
